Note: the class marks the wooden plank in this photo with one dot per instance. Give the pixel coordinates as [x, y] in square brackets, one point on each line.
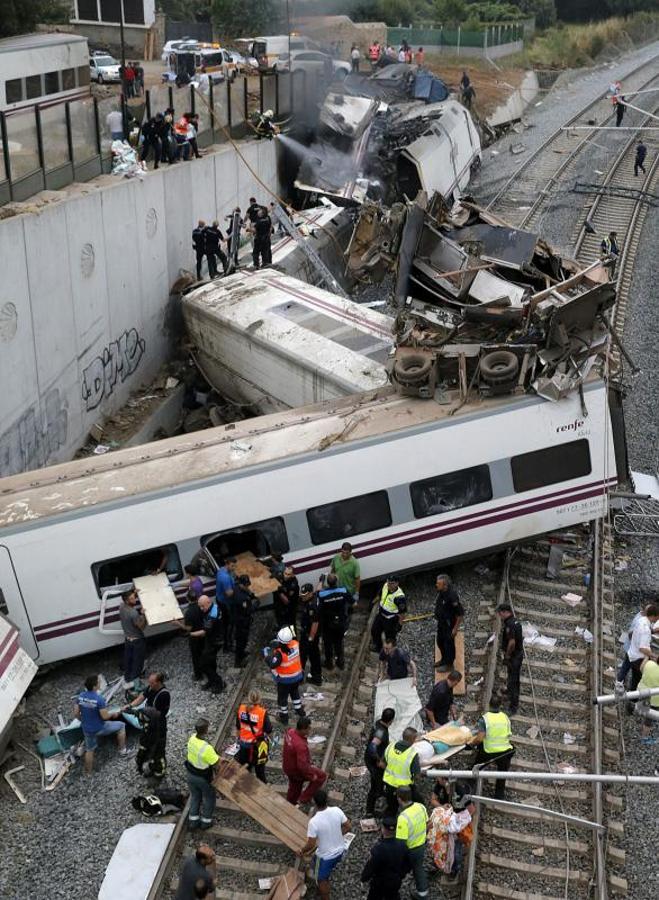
[240, 836]
[493, 890]
[262, 803]
[491, 859]
[259, 574]
[460, 689]
[253, 867]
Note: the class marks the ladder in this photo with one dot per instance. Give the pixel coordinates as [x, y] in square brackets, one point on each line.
[305, 245]
[636, 516]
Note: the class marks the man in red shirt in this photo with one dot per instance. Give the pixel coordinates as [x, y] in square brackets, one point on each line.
[297, 764]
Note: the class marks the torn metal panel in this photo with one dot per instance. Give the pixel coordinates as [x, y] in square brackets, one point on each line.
[375, 240]
[348, 115]
[505, 246]
[409, 241]
[489, 288]
[437, 255]
[159, 603]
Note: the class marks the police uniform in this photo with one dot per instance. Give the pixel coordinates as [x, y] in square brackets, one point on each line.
[262, 252]
[214, 238]
[401, 767]
[333, 603]
[286, 667]
[201, 757]
[153, 739]
[310, 648]
[496, 746]
[373, 754]
[243, 603]
[391, 605]
[253, 726]
[212, 632]
[512, 631]
[447, 610]
[199, 247]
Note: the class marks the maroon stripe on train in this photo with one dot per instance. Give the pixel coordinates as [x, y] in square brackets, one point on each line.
[394, 541]
[9, 654]
[7, 638]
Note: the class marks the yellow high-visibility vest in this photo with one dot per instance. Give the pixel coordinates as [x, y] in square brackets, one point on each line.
[399, 766]
[497, 732]
[412, 828]
[200, 753]
[388, 600]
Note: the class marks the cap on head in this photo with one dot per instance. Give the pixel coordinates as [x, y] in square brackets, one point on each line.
[306, 588]
[285, 635]
[504, 608]
[393, 579]
[389, 822]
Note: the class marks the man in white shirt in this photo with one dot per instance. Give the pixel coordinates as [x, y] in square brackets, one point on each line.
[115, 122]
[640, 643]
[325, 836]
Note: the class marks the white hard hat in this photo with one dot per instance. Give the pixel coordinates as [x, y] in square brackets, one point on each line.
[285, 635]
[268, 114]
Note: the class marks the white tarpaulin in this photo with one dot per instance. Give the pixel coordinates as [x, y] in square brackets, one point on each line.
[135, 862]
[158, 599]
[401, 695]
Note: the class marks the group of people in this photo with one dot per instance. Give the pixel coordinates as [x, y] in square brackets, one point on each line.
[639, 669]
[258, 223]
[132, 79]
[382, 54]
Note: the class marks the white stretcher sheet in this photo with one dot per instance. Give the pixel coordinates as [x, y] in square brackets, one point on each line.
[401, 695]
[135, 862]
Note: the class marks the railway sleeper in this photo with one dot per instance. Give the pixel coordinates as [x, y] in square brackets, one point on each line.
[489, 889]
[575, 875]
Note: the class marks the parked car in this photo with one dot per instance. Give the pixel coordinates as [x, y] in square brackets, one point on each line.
[103, 69]
[176, 45]
[311, 61]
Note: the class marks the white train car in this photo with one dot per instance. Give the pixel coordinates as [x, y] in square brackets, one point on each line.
[43, 69]
[406, 481]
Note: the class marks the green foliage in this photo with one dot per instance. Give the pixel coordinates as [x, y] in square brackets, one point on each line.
[579, 45]
[245, 18]
[543, 10]
[21, 16]
[450, 12]
[186, 10]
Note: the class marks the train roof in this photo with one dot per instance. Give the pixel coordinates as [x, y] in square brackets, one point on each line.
[157, 468]
[22, 42]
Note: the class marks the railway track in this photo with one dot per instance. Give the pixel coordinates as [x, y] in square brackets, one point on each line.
[245, 850]
[526, 195]
[520, 853]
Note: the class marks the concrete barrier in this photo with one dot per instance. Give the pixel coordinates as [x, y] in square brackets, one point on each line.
[85, 298]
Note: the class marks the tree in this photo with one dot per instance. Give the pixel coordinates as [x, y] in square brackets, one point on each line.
[21, 16]
[450, 12]
[543, 10]
[245, 18]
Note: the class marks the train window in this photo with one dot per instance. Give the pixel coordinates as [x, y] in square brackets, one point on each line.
[14, 90]
[541, 468]
[260, 538]
[345, 518]
[4, 609]
[51, 82]
[453, 490]
[122, 569]
[83, 76]
[68, 79]
[33, 87]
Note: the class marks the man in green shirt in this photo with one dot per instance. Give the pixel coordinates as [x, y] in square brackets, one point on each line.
[346, 568]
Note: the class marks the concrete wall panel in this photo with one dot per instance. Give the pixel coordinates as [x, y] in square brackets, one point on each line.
[181, 218]
[87, 267]
[151, 232]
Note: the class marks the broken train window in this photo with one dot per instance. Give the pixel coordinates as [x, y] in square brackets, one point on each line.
[260, 538]
[120, 571]
[541, 468]
[345, 518]
[453, 490]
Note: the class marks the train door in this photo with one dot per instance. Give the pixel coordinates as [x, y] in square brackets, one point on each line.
[13, 605]
[260, 539]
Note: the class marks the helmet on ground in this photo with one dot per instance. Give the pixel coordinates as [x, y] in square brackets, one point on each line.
[285, 635]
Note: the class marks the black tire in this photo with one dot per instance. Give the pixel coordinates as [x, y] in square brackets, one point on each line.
[412, 369]
[499, 366]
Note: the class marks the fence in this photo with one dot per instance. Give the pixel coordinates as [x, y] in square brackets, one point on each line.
[49, 147]
[458, 39]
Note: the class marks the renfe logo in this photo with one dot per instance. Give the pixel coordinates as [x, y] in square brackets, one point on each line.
[572, 426]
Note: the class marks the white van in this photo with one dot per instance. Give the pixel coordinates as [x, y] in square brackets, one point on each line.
[264, 51]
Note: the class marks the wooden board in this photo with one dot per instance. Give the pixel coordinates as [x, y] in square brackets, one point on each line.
[289, 886]
[159, 603]
[262, 803]
[459, 664]
[262, 581]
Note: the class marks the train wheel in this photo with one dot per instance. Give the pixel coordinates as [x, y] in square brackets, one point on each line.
[499, 366]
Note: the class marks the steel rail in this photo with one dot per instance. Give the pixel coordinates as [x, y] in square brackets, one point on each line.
[596, 711]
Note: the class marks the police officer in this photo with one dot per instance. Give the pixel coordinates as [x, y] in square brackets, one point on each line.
[252, 726]
[378, 741]
[401, 766]
[283, 658]
[388, 619]
[411, 827]
[214, 238]
[243, 605]
[262, 252]
[512, 650]
[449, 613]
[199, 244]
[212, 632]
[493, 737]
[200, 762]
[333, 602]
[386, 866]
[310, 633]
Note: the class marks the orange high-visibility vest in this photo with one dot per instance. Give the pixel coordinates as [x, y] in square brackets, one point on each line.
[290, 667]
[251, 722]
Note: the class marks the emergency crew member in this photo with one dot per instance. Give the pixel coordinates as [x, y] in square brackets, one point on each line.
[610, 251]
[283, 658]
[199, 244]
[411, 827]
[244, 604]
[286, 598]
[493, 737]
[233, 240]
[333, 602]
[193, 622]
[374, 54]
[385, 868]
[449, 613]
[264, 126]
[620, 103]
[512, 650]
[310, 633]
[211, 632]
[378, 741]
[252, 211]
[401, 766]
[296, 764]
[392, 606]
[262, 252]
[214, 238]
[153, 741]
[200, 762]
[252, 726]
[440, 706]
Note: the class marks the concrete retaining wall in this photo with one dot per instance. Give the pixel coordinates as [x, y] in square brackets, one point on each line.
[84, 301]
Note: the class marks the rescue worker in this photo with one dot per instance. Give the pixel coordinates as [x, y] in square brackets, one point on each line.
[233, 241]
[376, 745]
[244, 604]
[262, 252]
[512, 650]
[333, 602]
[297, 766]
[200, 762]
[153, 740]
[374, 54]
[310, 634]
[212, 631]
[286, 599]
[493, 737]
[411, 827]
[401, 767]
[639, 161]
[253, 725]
[449, 613]
[199, 244]
[392, 606]
[264, 126]
[386, 866]
[610, 251]
[214, 239]
[283, 658]
[252, 211]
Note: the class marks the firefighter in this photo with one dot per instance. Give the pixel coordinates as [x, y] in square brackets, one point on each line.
[151, 746]
[264, 126]
[253, 726]
[283, 658]
[392, 606]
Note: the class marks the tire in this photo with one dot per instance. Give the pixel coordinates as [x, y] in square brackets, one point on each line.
[412, 369]
[499, 366]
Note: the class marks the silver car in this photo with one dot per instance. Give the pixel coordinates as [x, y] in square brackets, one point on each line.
[104, 69]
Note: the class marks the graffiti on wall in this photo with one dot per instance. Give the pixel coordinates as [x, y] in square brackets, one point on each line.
[31, 442]
[117, 361]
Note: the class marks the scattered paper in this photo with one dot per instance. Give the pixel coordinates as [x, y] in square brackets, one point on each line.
[533, 638]
[232, 749]
[533, 732]
[313, 695]
[491, 638]
[621, 566]
[538, 851]
[572, 599]
[266, 883]
[171, 383]
[570, 662]
[316, 739]
[368, 824]
[598, 171]
[566, 769]
[584, 633]
[539, 103]
[348, 838]
[101, 448]
[357, 771]
[569, 738]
